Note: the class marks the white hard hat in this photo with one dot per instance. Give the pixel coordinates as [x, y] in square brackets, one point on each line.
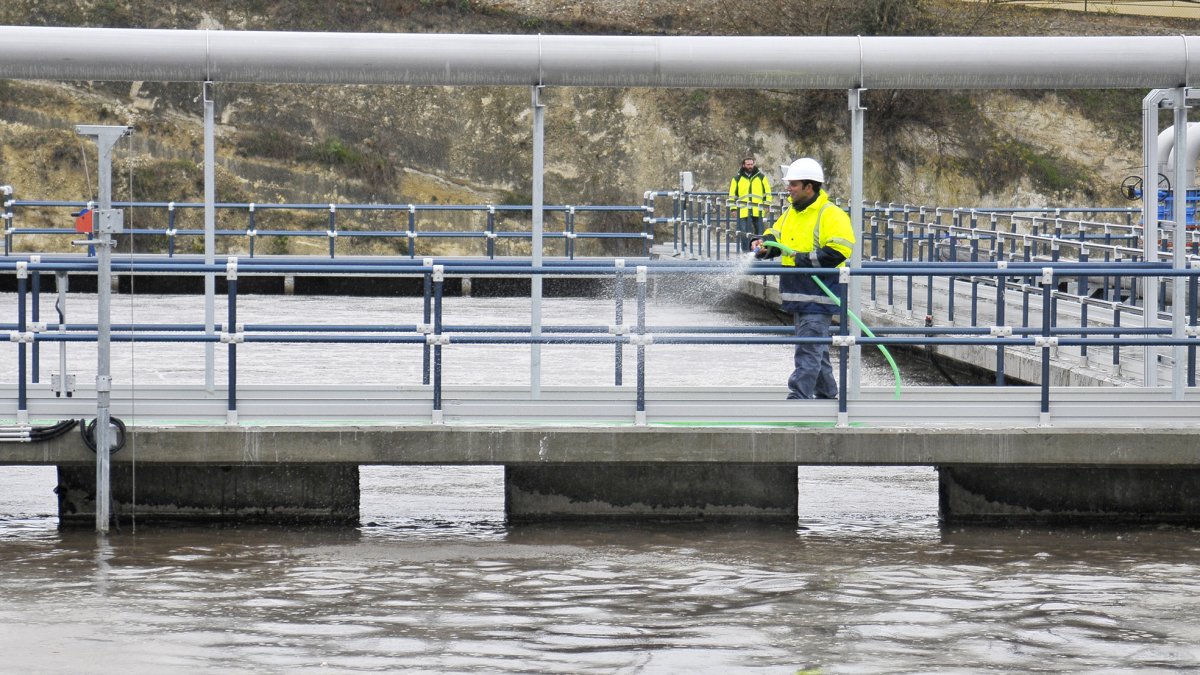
[805, 168]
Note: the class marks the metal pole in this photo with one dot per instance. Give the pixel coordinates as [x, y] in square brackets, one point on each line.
[60, 283]
[107, 222]
[854, 288]
[1179, 243]
[535, 281]
[1150, 225]
[210, 228]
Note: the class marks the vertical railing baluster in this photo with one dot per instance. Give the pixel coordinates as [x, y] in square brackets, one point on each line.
[438, 282]
[234, 335]
[642, 279]
[618, 321]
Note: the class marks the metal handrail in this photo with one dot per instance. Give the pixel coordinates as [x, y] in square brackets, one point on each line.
[433, 334]
[489, 232]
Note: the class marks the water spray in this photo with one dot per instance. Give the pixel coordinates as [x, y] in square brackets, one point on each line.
[854, 317]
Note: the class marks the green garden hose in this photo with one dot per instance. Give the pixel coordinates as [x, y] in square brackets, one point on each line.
[854, 317]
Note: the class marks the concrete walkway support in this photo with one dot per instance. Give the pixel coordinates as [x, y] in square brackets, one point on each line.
[276, 493]
[1015, 494]
[692, 491]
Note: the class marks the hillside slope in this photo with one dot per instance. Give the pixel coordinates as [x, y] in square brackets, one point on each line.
[472, 145]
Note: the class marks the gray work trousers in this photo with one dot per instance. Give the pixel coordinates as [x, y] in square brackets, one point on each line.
[813, 376]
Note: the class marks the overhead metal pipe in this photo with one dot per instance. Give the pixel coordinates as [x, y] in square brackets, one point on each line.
[805, 62]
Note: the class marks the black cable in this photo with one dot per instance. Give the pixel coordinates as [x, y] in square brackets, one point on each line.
[38, 434]
[88, 431]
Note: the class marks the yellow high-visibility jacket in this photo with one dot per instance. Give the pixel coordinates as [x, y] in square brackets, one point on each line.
[820, 225]
[748, 190]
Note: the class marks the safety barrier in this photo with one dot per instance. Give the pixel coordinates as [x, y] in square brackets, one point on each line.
[434, 335]
[495, 224]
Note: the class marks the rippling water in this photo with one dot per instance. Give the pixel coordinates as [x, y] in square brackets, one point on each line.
[436, 580]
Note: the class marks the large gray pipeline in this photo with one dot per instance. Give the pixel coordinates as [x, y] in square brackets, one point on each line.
[603, 61]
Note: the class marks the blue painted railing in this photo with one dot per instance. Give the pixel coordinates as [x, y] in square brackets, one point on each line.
[433, 334]
[565, 217]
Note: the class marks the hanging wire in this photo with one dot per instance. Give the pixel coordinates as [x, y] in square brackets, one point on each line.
[132, 352]
[87, 174]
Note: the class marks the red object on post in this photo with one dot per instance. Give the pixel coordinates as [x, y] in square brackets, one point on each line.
[83, 221]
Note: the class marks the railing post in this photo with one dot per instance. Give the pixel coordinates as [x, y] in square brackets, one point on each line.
[7, 216]
[1116, 335]
[35, 365]
[438, 279]
[427, 317]
[251, 230]
[908, 258]
[171, 229]
[22, 393]
[570, 232]
[412, 233]
[491, 231]
[1047, 342]
[332, 231]
[642, 278]
[844, 347]
[233, 335]
[1193, 322]
[65, 382]
[619, 319]
[1001, 301]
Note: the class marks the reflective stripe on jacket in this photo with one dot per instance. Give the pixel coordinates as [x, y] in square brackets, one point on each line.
[819, 225]
[745, 189]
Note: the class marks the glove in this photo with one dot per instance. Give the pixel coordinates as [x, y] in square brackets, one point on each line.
[762, 252]
[802, 260]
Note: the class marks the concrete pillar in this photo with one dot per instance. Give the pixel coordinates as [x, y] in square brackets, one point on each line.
[760, 492]
[309, 493]
[1068, 494]
[466, 287]
[289, 284]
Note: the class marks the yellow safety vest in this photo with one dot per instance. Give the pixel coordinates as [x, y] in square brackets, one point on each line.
[753, 190]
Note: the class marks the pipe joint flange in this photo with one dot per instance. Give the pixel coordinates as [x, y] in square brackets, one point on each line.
[1001, 331]
[37, 326]
[22, 267]
[643, 273]
[842, 340]
[233, 338]
[19, 337]
[439, 272]
[424, 328]
[231, 269]
[1191, 331]
[843, 275]
[1047, 276]
[437, 340]
[1045, 342]
[619, 329]
[641, 340]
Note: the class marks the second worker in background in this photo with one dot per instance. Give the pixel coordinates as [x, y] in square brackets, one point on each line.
[749, 191]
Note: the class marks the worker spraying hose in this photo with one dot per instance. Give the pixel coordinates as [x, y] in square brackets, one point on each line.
[811, 233]
[853, 317]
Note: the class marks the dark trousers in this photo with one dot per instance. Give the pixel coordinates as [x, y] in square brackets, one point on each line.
[749, 227]
[813, 374]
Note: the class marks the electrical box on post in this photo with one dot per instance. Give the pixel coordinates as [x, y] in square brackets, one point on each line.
[685, 181]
